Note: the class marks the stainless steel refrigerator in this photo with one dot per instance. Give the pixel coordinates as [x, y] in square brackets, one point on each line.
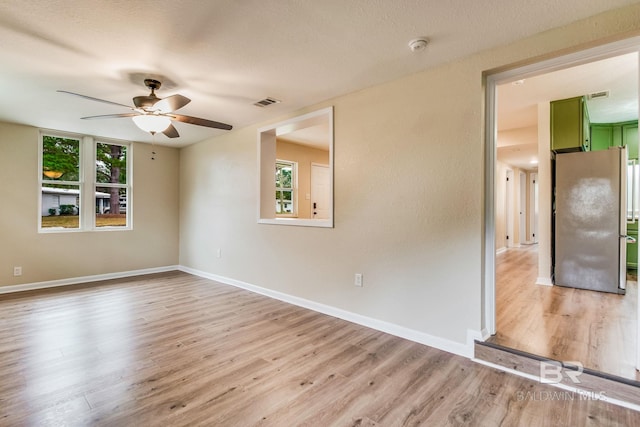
[590, 220]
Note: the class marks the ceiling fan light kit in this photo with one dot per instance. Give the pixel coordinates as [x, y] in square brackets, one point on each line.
[152, 123]
[153, 114]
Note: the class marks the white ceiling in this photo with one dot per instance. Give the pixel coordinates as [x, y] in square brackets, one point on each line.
[227, 54]
[518, 103]
[318, 136]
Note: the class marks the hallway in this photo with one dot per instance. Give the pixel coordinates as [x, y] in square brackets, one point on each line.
[595, 328]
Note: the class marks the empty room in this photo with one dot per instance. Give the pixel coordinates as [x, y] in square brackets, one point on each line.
[245, 213]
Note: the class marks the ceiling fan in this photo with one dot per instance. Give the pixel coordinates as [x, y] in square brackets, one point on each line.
[153, 114]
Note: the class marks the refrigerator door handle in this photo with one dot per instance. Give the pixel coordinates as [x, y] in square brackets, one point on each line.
[622, 278]
[632, 193]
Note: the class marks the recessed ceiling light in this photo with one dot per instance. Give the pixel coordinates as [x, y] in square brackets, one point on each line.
[518, 82]
[533, 162]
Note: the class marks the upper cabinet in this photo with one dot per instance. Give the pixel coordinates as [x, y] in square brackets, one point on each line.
[606, 135]
[571, 130]
[570, 127]
[602, 137]
[630, 138]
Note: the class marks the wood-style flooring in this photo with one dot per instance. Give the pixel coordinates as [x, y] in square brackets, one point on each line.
[177, 350]
[595, 328]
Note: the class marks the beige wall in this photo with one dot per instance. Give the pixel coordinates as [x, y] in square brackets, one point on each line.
[304, 156]
[152, 243]
[408, 197]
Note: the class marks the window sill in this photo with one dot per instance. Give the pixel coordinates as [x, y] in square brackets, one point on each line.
[325, 223]
[60, 230]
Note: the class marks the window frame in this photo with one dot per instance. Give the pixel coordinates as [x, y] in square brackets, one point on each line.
[127, 185]
[293, 189]
[87, 183]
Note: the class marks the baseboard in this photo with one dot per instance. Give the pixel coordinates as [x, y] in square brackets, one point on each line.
[465, 350]
[544, 281]
[501, 250]
[83, 279]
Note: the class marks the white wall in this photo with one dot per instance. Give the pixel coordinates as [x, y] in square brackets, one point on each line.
[52, 256]
[544, 194]
[502, 209]
[527, 140]
[408, 197]
[518, 136]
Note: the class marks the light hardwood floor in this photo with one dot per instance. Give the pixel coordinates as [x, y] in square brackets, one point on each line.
[177, 350]
[595, 328]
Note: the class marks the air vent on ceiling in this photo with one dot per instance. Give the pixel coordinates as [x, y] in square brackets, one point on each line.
[598, 95]
[266, 102]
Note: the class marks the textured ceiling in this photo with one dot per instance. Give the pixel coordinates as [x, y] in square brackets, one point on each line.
[518, 104]
[227, 54]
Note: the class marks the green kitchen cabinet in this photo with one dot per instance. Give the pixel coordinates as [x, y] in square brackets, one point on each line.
[624, 134]
[570, 127]
[601, 136]
[630, 138]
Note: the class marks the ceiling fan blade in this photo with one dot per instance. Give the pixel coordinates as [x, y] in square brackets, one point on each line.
[171, 132]
[201, 122]
[110, 116]
[170, 103]
[95, 99]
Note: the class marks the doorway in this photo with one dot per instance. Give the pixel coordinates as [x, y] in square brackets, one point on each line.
[508, 209]
[539, 181]
[522, 208]
[533, 197]
[320, 181]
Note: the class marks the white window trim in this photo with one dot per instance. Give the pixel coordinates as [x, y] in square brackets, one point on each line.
[86, 183]
[128, 186]
[294, 189]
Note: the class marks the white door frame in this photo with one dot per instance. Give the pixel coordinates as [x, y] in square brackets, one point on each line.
[491, 133]
[533, 207]
[509, 241]
[522, 208]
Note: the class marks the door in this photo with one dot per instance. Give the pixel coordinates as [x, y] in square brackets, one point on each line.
[522, 218]
[508, 209]
[533, 203]
[320, 182]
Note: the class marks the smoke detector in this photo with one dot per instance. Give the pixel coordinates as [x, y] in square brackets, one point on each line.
[417, 45]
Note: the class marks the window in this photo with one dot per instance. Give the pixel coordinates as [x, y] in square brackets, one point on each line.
[84, 185]
[111, 187]
[60, 179]
[285, 187]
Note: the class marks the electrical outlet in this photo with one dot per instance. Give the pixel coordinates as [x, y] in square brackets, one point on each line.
[219, 253]
[17, 271]
[358, 280]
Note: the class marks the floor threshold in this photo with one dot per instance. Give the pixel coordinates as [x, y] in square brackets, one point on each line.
[589, 380]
